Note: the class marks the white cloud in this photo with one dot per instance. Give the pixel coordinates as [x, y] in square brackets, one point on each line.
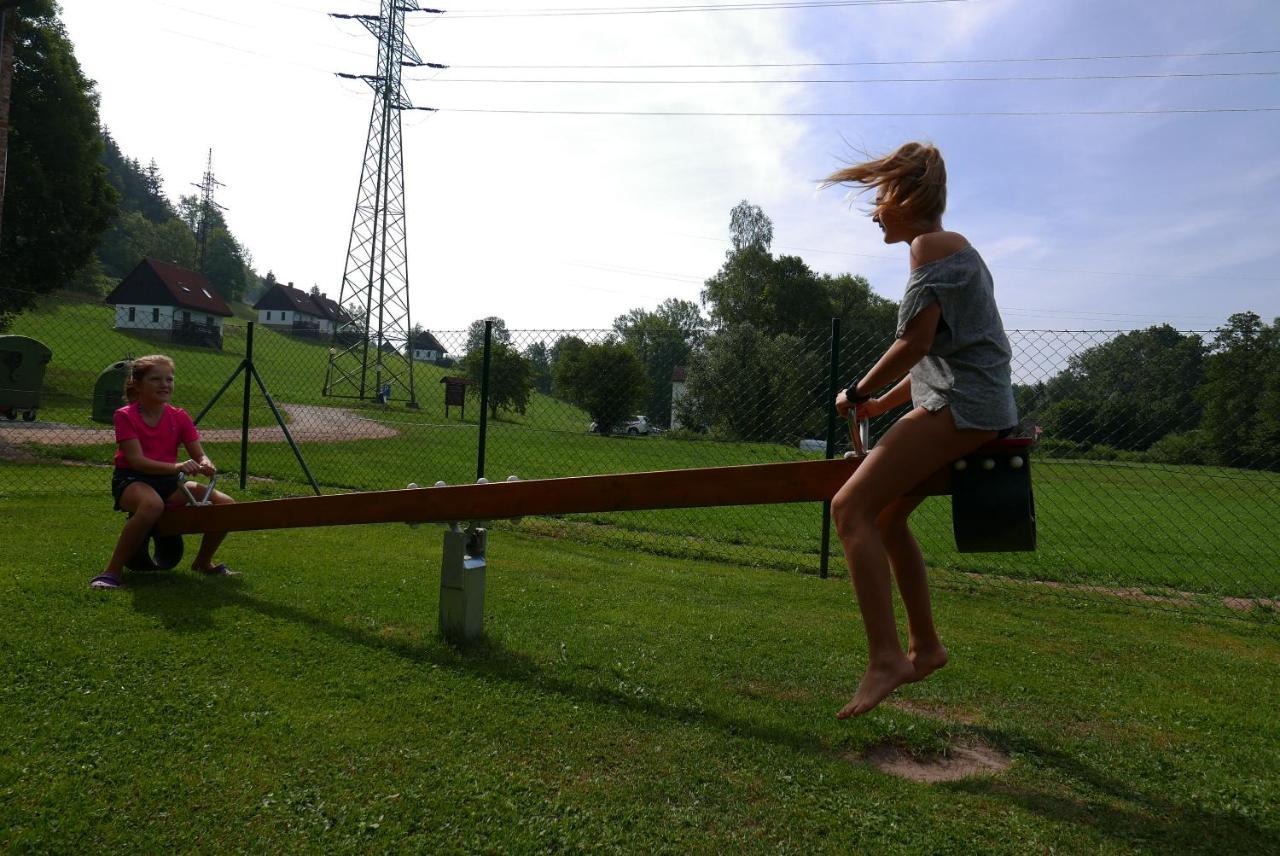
[556, 221]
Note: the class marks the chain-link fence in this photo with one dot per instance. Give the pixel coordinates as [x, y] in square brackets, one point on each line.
[1148, 489]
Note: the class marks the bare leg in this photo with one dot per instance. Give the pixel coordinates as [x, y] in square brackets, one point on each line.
[925, 650]
[146, 506]
[887, 665]
[916, 446]
[212, 540]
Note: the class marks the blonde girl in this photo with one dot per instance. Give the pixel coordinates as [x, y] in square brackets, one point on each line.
[147, 472]
[951, 361]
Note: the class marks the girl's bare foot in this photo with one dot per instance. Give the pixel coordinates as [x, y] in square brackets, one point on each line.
[879, 680]
[926, 661]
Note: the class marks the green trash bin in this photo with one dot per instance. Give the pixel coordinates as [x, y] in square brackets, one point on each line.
[22, 362]
[108, 391]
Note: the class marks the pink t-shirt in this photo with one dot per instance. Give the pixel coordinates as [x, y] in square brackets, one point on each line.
[159, 443]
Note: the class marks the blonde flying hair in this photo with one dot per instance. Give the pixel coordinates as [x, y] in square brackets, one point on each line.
[138, 370]
[912, 180]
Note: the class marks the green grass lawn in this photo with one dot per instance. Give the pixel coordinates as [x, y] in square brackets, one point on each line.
[622, 702]
[1168, 530]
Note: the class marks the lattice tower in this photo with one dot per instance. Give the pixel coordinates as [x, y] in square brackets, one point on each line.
[208, 184]
[371, 343]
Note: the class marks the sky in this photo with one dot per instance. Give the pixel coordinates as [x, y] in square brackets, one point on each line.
[1100, 204]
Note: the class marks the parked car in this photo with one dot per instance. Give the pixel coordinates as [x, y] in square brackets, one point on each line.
[634, 426]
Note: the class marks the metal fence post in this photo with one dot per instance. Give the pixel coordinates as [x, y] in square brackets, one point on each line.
[832, 386]
[484, 396]
[244, 416]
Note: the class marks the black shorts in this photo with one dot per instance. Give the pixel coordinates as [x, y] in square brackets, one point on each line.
[123, 477]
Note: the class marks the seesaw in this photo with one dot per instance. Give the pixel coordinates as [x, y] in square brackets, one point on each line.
[993, 510]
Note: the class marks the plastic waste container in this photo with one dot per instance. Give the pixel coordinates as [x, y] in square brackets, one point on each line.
[108, 391]
[22, 362]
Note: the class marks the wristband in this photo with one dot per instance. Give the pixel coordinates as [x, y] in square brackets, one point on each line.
[851, 393]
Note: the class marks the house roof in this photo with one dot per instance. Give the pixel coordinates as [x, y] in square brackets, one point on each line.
[333, 310]
[281, 296]
[163, 284]
[424, 341]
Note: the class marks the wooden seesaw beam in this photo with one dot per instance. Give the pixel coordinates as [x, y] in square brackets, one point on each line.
[753, 484]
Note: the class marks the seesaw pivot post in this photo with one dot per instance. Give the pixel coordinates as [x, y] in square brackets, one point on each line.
[462, 572]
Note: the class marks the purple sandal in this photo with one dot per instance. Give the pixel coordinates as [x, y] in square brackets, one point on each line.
[220, 570]
[106, 581]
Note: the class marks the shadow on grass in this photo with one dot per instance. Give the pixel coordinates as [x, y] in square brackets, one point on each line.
[1113, 807]
[1120, 811]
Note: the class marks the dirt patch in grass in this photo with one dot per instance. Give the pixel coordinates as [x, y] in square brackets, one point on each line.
[971, 757]
[15, 455]
[309, 424]
[936, 711]
[1248, 604]
[1170, 596]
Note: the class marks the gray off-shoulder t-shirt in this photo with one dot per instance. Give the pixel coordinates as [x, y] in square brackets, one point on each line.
[967, 366]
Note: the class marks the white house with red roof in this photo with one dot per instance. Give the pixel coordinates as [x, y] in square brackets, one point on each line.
[159, 297]
[291, 310]
[425, 347]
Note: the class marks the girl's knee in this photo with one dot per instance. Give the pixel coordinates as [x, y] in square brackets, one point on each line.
[149, 509]
[850, 517]
[220, 498]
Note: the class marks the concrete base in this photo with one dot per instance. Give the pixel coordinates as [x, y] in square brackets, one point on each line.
[462, 571]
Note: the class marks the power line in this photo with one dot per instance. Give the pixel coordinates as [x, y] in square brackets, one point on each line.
[817, 114]
[1082, 58]
[1002, 266]
[1099, 316]
[661, 10]
[874, 79]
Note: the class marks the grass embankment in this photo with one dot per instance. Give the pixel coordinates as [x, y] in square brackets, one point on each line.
[622, 703]
[79, 331]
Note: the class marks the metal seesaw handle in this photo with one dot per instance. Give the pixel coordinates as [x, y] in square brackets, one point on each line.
[859, 434]
[208, 491]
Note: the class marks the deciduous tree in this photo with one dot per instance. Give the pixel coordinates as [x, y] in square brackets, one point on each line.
[605, 379]
[1241, 394]
[475, 333]
[510, 377]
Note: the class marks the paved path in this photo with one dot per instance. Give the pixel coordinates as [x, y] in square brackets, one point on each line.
[308, 423]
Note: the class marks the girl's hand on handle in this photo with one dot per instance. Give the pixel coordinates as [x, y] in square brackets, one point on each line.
[866, 410]
[842, 404]
[188, 468]
[207, 468]
[870, 408]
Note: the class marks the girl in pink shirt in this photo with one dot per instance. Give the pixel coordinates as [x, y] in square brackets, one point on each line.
[148, 432]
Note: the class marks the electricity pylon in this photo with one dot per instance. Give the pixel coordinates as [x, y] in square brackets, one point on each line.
[371, 357]
[207, 185]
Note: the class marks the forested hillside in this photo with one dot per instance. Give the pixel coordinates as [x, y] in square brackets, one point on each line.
[78, 212]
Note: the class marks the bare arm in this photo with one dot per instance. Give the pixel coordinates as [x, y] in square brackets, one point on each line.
[196, 451]
[904, 353]
[141, 463]
[900, 394]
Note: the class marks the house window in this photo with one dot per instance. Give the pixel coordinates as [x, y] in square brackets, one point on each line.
[133, 311]
[155, 315]
[268, 314]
